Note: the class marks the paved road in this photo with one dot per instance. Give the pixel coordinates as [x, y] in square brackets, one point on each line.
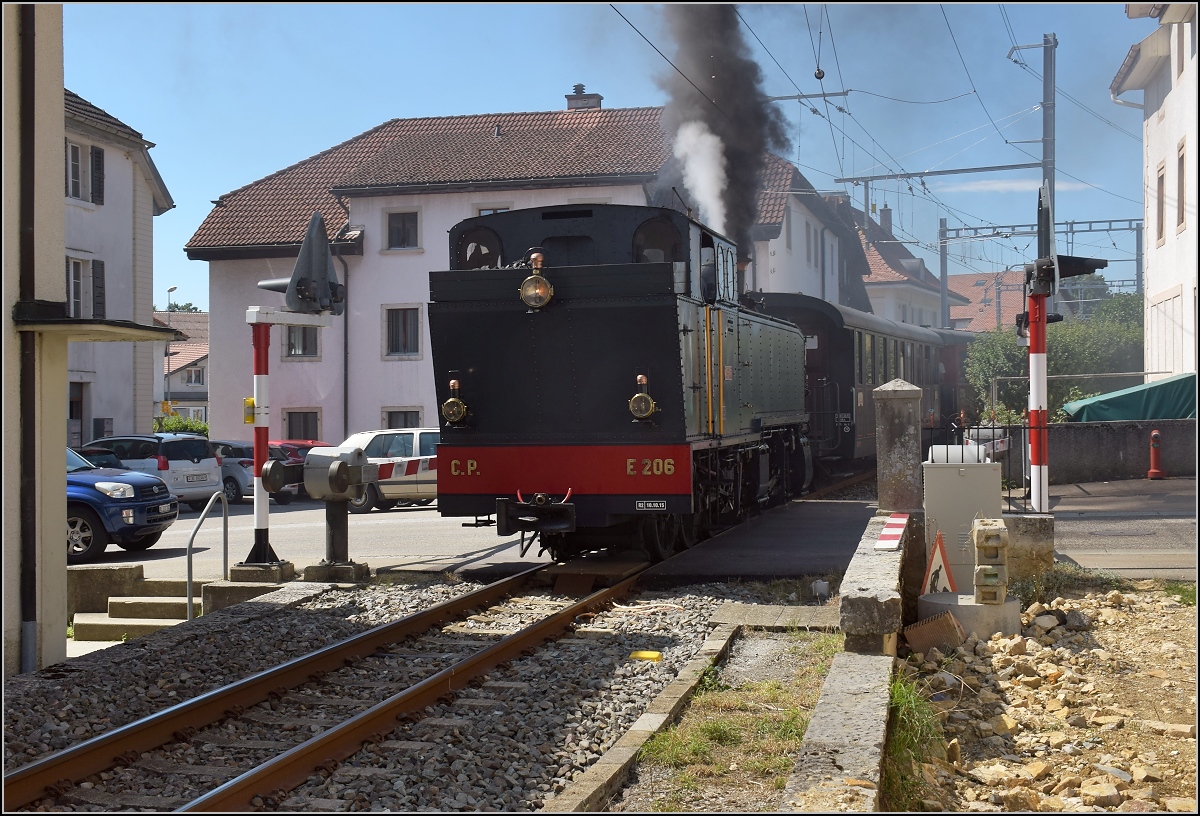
[402, 538]
[1137, 528]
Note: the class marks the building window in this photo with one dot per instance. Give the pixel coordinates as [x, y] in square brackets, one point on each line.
[194, 376]
[1179, 40]
[490, 210]
[403, 331]
[807, 243]
[301, 341]
[75, 278]
[1160, 206]
[402, 419]
[402, 230]
[787, 227]
[76, 171]
[301, 424]
[1180, 218]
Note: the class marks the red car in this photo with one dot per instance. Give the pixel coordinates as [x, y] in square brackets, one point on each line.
[296, 450]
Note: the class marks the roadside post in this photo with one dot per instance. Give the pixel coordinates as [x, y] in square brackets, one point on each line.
[311, 294]
[1041, 280]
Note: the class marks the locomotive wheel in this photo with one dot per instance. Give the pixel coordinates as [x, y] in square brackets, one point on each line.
[689, 530]
[650, 531]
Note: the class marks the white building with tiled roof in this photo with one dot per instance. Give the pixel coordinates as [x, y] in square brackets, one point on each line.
[389, 197]
[112, 193]
[1163, 66]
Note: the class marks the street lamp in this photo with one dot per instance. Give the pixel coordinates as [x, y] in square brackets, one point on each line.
[168, 400]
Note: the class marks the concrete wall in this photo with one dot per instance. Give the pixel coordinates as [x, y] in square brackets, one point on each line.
[47, 627]
[1106, 451]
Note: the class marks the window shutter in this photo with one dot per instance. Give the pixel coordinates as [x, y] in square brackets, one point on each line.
[97, 175]
[69, 287]
[66, 168]
[98, 310]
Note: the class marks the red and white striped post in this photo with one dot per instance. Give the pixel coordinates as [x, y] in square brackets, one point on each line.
[1039, 474]
[262, 552]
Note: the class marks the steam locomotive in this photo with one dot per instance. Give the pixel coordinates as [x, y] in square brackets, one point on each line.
[601, 381]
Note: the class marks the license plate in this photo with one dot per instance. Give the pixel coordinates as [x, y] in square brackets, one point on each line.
[203, 477]
[164, 508]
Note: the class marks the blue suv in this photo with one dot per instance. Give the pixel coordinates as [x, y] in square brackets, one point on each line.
[113, 504]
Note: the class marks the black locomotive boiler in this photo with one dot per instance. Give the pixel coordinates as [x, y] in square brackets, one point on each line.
[599, 381]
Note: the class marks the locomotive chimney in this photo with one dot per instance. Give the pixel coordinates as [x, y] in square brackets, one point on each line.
[582, 101]
[885, 219]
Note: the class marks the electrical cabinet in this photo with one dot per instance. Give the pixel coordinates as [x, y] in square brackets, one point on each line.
[956, 495]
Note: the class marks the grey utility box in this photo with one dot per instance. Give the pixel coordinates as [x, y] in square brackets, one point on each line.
[956, 495]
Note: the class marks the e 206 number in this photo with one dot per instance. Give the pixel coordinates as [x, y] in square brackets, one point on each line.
[650, 467]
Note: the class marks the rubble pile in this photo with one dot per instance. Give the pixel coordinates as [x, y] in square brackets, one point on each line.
[1092, 707]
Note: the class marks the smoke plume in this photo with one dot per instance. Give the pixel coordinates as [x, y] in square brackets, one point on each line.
[720, 132]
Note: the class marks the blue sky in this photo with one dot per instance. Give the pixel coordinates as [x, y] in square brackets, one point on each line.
[230, 93]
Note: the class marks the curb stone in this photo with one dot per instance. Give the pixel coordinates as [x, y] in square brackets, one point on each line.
[593, 789]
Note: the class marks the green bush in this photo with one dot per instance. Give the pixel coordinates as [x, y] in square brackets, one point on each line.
[179, 424]
[914, 735]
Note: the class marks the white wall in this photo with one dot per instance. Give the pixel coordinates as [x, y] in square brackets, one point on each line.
[377, 279]
[887, 299]
[1170, 264]
[106, 232]
[792, 262]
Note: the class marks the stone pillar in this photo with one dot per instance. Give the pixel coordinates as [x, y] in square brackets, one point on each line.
[898, 447]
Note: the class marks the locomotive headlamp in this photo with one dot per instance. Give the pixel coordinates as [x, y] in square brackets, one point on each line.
[454, 409]
[536, 291]
[641, 405]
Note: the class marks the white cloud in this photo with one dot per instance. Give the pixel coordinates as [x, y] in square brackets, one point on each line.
[1005, 186]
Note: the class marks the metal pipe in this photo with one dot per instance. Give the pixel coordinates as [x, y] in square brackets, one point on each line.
[225, 544]
[28, 497]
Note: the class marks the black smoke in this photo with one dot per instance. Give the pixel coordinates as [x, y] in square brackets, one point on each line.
[713, 54]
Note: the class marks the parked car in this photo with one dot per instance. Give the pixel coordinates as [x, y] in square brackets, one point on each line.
[413, 453]
[296, 450]
[100, 457]
[186, 462]
[113, 504]
[237, 470]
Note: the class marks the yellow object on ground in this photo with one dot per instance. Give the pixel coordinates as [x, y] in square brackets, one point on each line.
[655, 656]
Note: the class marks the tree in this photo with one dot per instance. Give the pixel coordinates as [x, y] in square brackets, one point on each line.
[1088, 291]
[182, 307]
[1109, 342]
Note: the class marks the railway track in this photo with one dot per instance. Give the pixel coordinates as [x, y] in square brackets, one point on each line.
[318, 710]
[841, 484]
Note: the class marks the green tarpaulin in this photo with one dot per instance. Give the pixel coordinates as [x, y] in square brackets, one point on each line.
[1172, 398]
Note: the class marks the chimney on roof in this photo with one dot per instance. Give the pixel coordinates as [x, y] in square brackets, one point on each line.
[582, 101]
[885, 219]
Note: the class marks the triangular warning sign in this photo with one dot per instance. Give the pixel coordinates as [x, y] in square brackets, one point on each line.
[938, 577]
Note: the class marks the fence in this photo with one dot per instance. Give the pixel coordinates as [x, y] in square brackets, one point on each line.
[1078, 452]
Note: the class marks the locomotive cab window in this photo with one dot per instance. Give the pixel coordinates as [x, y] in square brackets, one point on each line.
[569, 250]
[657, 241]
[479, 248]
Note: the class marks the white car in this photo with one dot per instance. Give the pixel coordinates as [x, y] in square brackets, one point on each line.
[186, 462]
[413, 455]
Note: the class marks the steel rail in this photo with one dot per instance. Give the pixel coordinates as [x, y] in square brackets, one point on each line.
[277, 777]
[833, 488]
[61, 770]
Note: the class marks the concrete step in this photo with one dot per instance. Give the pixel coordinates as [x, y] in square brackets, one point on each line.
[99, 626]
[159, 588]
[153, 607]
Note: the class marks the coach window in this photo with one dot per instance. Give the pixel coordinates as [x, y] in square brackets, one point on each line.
[657, 241]
[869, 358]
[858, 358]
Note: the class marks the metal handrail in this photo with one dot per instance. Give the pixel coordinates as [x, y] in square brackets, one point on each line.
[220, 494]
